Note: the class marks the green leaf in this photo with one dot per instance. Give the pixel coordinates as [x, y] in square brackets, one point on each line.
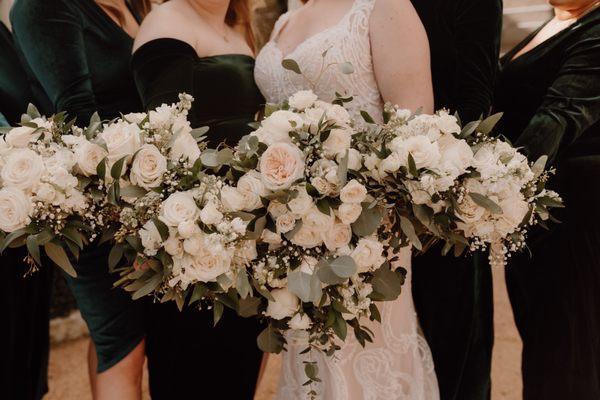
[133, 191]
[149, 287]
[343, 266]
[93, 126]
[60, 258]
[11, 237]
[323, 206]
[242, 284]
[199, 292]
[44, 237]
[412, 166]
[101, 168]
[469, 129]
[409, 230]
[265, 293]
[342, 173]
[270, 340]
[115, 255]
[539, 166]
[162, 228]
[312, 371]
[74, 235]
[290, 235]
[326, 275]
[210, 158]
[248, 307]
[387, 283]
[375, 314]
[487, 125]
[346, 68]
[486, 202]
[306, 286]
[291, 65]
[340, 327]
[34, 249]
[218, 309]
[369, 220]
[550, 202]
[32, 111]
[117, 169]
[367, 117]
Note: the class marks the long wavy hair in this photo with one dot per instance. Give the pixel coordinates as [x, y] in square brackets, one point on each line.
[238, 15]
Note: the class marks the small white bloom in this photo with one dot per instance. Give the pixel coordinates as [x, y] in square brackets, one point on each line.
[302, 99]
[349, 212]
[285, 304]
[210, 214]
[353, 192]
[300, 322]
[368, 254]
[150, 238]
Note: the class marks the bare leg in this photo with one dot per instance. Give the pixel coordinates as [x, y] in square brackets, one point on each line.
[123, 381]
[92, 366]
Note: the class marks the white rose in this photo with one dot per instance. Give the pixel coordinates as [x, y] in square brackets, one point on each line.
[173, 246]
[308, 265]
[184, 147]
[193, 244]
[337, 143]
[354, 159]
[307, 236]
[179, 207]
[349, 212]
[514, 209]
[122, 140]
[281, 165]
[160, 118]
[447, 123]
[245, 253]
[15, 208]
[210, 214]
[251, 187]
[271, 237]
[148, 167]
[63, 158]
[23, 169]
[338, 236]
[285, 304]
[353, 192]
[317, 220]
[391, 163]
[457, 155]
[322, 185]
[300, 322]
[338, 114]
[417, 193]
[135, 118]
[88, 155]
[285, 222]
[46, 193]
[63, 178]
[469, 211]
[187, 228]
[150, 238]
[276, 209]
[302, 203]
[425, 153]
[210, 262]
[302, 99]
[368, 254]
[277, 126]
[232, 199]
[22, 136]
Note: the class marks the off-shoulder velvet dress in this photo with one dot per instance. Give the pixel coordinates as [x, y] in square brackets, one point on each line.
[187, 357]
[24, 301]
[80, 57]
[551, 100]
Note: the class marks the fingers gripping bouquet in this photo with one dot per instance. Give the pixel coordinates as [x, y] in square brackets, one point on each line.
[461, 186]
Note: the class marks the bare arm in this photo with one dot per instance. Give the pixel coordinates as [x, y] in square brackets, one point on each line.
[400, 51]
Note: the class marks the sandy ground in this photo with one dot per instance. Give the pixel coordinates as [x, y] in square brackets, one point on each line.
[68, 372]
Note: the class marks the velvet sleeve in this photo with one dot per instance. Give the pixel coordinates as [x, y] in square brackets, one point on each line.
[478, 32]
[571, 104]
[162, 69]
[50, 35]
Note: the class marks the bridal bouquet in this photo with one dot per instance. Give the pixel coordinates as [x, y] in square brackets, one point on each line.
[323, 258]
[458, 185]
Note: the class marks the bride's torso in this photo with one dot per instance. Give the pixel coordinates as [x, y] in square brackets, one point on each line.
[345, 42]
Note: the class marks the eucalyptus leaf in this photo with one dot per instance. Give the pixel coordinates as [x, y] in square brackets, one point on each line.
[306, 286]
[369, 220]
[117, 169]
[199, 292]
[487, 125]
[387, 283]
[409, 230]
[133, 191]
[210, 158]
[346, 68]
[270, 340]
[326, 275]
[342, 173]
[539, 166]
[343, 266]
[367, 117]
[412, 166]
[34, 249]
[162, 228]
[242, 284]
[148, 287]
[115, 255]
[57, 254]
[340, 327]
[486, 202]
[218, 309]
[248, 307]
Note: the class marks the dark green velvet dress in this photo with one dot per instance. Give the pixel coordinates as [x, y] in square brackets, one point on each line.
[551, 100]
[186, 355]
[24, 302]
[80, 57]
[453, 296]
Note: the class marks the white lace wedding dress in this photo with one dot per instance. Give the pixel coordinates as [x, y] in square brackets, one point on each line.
[398, 365]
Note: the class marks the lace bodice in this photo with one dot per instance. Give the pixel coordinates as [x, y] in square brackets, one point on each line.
[346, 41]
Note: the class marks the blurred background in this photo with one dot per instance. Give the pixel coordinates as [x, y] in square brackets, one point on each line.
[68, 365]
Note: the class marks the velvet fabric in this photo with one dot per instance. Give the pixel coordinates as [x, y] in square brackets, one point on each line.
[80, 58]
[453, 296]
[551, 100]
[183, 347]
[24, 301]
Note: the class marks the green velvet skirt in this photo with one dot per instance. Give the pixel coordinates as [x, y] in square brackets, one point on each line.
[114, 320]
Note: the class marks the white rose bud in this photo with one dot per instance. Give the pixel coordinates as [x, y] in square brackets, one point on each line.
[337, 143]
[173, 246]
[232, 199]
[285, 305]
[187, 228]
[322, 186]
[354, 159]
[194, 244]
[88, 155]
[285, 223]
[251, 187]
[301, 204]
[185, 147]
[276, 209]
[210, 215]
[302, 99]
[368, 254]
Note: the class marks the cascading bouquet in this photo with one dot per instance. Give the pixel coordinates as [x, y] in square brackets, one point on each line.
[462, 186]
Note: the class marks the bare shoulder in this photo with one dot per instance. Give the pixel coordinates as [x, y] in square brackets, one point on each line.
[394, 14]
[168, 20]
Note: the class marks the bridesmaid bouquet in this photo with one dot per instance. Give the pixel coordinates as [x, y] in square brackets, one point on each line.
[461, 186]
